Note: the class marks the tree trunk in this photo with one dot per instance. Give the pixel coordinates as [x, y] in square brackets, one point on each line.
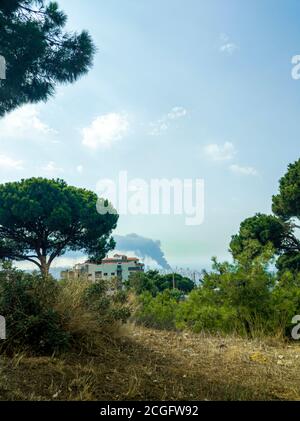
[44, 267]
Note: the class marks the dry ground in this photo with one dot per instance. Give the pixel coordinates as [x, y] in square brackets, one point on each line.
[145, 364]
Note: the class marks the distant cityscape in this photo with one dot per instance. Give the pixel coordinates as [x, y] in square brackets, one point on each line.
[119, 266]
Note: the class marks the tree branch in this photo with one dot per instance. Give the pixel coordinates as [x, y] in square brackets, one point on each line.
[22, 257]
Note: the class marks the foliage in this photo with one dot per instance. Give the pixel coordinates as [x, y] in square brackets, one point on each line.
[41, 219]
[244, 297]
[141, 282]
[286, 204]
[264, 229]
[233, 297]
[108, 306]
[159, 311]
[279, 229]
[286, 301]
[153, 282]
[45, 316]
[38, 52]
[89, 310]
[27, 303]
[200, 312]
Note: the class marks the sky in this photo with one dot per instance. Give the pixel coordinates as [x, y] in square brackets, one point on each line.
[187, 89]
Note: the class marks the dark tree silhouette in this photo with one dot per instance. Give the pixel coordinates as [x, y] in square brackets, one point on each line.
[38, 52]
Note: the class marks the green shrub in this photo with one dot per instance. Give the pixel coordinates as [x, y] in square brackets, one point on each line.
[109, 306]
[160, 311]
[235, 297]
[285, 302]
[45, 316]
[153, 282]
[26, 302]
[199, 312]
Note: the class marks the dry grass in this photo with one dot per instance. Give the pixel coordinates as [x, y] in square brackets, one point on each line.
[69, 302]
[145, 364]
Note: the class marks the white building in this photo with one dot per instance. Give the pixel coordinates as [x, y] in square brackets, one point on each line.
[118, 266]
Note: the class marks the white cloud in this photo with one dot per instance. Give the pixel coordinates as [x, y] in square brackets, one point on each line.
[159, 127]
[237, 169]
[163, 124]
[105, 130]
[7, 163]
[220, 152]
[227, 46]
[24, 122]
[177, 112]
[79, 169]
[52, 169]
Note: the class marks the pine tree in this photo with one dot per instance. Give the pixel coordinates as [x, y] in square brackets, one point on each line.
[38, 52]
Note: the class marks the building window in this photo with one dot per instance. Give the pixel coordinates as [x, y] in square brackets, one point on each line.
[105, 274]
[98, 274]
[113, 274]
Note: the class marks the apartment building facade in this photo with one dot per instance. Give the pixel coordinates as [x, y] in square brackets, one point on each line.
[117, 267]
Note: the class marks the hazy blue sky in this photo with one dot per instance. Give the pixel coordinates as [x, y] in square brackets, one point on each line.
[179, 88]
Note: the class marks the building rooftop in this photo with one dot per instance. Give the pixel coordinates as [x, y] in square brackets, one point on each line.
[119, 258]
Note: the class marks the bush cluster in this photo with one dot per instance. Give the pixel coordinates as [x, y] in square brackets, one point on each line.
[45, 316]
[244, 297]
